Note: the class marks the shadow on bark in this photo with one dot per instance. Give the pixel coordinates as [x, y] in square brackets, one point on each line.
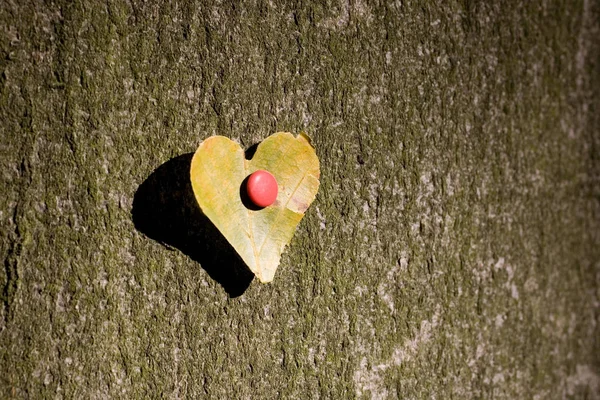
[165, 209]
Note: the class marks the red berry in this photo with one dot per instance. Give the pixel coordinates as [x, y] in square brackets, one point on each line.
[262, 188]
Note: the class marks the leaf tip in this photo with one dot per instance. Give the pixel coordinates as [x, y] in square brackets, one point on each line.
[265, 276]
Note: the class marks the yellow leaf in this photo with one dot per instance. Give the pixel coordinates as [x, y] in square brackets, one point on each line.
[218, 171]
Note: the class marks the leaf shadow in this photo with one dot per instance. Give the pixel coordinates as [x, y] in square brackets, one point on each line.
[165, 209]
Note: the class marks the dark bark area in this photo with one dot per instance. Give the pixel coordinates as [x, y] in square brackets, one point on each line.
[453, 250]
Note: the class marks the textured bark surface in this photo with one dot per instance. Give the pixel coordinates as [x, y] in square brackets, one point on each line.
[453, 250]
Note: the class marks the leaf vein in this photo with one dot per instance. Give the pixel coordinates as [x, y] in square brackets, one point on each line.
[281, 213]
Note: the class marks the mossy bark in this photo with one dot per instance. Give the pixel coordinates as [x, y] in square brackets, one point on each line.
[453, 250]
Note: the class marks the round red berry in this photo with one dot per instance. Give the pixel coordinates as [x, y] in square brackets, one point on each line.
[262, 188]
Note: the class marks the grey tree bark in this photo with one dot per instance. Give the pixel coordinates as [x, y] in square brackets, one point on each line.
[453, 250]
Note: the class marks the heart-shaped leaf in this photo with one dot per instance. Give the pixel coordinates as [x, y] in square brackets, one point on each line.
[218, 171]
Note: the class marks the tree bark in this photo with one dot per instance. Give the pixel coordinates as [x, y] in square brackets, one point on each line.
[453, 250]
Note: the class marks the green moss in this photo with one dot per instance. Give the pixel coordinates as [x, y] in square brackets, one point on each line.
[454, 250]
